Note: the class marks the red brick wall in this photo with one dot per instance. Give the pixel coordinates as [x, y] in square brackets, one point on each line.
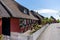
[14, 22]
[0, 26]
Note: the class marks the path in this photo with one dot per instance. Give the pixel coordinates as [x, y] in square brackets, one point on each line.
[51, 33]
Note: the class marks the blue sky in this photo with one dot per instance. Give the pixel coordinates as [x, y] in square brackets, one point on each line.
[38, 5]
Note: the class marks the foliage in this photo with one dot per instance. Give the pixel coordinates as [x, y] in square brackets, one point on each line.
[44, 21]
[35, 28]
[58, 21]
[1, 37]
[47, 20]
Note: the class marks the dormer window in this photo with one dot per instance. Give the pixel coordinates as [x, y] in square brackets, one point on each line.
[22, 8]
[25, 11]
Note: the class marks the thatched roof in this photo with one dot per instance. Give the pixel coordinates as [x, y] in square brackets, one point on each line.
[53, 18]
[12, 7]
[36, 14]
[3, 12]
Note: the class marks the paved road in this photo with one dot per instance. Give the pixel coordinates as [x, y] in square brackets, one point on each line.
[51, 33]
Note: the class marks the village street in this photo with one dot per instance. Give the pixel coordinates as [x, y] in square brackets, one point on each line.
[52, 32]
[29, 20]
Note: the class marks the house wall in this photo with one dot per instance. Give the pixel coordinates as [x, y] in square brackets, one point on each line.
[15, 27]
[14, 22]
[0, 26]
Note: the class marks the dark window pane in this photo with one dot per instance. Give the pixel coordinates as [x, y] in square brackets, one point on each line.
[22, 22]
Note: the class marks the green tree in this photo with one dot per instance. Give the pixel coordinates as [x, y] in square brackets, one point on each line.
[58, 21]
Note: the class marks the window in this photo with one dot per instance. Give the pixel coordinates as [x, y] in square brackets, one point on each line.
[27, 22]
[22, 8]
[25, 11]
[34, 21]
[22, 22]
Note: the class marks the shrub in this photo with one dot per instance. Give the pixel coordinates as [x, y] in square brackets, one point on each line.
[35, 28]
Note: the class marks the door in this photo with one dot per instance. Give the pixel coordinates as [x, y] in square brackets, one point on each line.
[6, 26]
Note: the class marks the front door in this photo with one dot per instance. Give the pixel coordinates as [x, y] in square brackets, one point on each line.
[6, 26]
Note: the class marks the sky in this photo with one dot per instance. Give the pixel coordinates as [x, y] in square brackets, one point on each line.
[46, 8]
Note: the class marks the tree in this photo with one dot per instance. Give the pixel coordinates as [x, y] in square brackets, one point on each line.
[58, 21]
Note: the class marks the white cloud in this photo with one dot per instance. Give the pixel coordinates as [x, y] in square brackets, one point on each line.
[47, 11]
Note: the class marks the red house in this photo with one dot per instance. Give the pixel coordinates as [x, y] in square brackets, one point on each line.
[14, 17]
[37, 15]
